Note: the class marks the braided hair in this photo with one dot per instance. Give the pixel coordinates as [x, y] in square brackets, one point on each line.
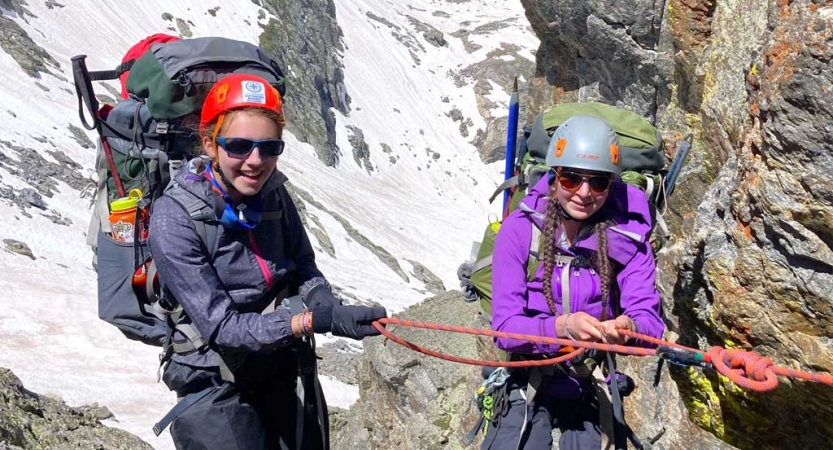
[601, 260]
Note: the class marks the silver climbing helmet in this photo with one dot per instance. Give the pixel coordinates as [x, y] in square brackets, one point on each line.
[584, 142]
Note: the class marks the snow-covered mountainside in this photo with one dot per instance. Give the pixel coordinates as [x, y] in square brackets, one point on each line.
[391, 216]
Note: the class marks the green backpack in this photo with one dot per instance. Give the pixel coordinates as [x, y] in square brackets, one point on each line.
[642, 160]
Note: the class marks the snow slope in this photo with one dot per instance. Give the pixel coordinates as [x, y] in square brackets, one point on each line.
[419, 208]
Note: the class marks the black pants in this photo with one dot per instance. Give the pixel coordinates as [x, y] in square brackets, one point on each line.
[258, 411]
[577, 419]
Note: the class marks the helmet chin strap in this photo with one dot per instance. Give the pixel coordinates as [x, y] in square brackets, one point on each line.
[216, 165]
[219, 171]
[564, 214]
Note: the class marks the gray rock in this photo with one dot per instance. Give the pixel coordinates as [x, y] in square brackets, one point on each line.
[105, 99]
[588, 42]
[37, 171]
[18, 247]
[81, 137]
[98, 411]
[307, 38]
[31, 197]
[411, 401]
[116, 93]
[423, 274]
[18, 7]
[213, 11]
[168, 17]
[456, 115]
[297, 199]
[435, 37]
[16, 42]
[361, 151]
[324, 239]
[183, 27]
[485, 29]
[491, 142]
[56, 218]
[339, 360]
[383, 21]
[429, 33]
[32, 421]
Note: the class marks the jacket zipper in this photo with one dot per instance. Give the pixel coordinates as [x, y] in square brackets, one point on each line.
[264, 269]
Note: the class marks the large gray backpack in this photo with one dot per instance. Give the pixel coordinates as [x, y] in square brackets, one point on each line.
[143, 139]
[138, 310]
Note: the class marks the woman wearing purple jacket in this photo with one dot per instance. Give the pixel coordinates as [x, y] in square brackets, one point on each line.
[596, 276]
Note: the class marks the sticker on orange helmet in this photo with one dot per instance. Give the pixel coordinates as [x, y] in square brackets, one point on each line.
[614, 153]
[221, 94]
[559, 147]
[254, 92]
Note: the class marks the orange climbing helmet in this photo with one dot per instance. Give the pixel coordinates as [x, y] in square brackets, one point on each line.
[238, 90]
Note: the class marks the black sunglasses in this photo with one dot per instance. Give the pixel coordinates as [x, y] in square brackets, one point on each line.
[572, 181]
[242, 147]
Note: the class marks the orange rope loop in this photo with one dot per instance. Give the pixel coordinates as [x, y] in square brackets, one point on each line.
[746, 369]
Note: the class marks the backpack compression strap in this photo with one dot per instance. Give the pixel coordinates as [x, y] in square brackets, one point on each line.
[201, 215]
[521, 179]
[105, 75]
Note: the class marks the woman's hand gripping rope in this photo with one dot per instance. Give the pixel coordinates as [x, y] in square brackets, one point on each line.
[746, 369]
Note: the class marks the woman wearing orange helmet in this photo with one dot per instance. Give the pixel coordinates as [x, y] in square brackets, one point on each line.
[242, 364]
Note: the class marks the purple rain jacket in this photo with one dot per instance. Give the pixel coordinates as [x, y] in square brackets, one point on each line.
[519, 306]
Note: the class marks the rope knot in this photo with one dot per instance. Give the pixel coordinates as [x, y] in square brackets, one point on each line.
[746, 369]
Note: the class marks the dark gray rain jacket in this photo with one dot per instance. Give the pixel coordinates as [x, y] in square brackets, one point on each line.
[224, 298]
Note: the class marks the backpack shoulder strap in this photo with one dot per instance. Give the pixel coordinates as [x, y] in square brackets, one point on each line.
[534, 258]
[201, 214]
[534, 252]
[563, 263]
[205, 222]
[280, 212]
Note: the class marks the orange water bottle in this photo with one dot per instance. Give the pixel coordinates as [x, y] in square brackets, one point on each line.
[123, 216]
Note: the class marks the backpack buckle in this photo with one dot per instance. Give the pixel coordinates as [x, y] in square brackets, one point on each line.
[522, 178]
[162, 127]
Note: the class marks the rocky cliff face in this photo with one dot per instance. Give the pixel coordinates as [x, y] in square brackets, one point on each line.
[304, 40]
[18, 44]
[603, 51]
[751, 263]
[34, 422]
[412, 401]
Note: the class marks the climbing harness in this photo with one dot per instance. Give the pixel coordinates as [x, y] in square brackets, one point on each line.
[492, 400]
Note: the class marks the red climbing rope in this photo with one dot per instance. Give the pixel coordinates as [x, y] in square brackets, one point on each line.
[746, 369]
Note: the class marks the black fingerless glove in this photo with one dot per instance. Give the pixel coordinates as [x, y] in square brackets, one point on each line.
[354, 322]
